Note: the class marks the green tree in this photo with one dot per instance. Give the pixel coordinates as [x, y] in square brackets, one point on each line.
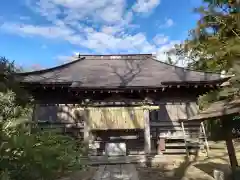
[214, 45]
[25, 154]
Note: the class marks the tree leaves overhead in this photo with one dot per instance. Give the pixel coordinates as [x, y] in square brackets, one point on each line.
[214, 45]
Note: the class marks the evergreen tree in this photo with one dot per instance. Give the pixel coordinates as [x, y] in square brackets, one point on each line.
[214, 45]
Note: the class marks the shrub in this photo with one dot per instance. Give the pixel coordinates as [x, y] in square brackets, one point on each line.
[29, 153]
[41, 155]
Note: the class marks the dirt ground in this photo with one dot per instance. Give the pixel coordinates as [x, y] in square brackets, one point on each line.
[193, 168]
[177, 167]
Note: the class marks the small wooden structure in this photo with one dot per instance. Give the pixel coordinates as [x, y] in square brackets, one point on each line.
[133, 99]
[224, 110]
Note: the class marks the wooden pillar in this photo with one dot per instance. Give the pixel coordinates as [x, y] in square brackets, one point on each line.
[87, 136]
[86, 130]
[231, 152]
[147, 137]
[227, 129]
[86, 133]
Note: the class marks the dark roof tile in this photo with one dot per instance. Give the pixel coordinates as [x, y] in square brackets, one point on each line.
[118, 70]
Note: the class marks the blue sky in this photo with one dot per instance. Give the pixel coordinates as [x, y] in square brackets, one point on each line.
[45, 33]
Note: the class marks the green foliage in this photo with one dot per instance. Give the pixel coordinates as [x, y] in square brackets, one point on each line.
[28, 152]
[214, 45]
[39, 155]
[9, 82]
[11, 110]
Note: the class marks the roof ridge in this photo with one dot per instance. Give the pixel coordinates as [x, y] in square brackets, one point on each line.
[188, 69]
[115, 54]
[51, 68]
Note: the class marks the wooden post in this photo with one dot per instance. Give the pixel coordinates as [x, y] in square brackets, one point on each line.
[87, 132]
[147, 137]
[231, 153]
[227, 130]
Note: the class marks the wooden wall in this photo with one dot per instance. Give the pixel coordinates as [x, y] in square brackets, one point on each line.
[174, 111]
[164, 121]
[170, 111]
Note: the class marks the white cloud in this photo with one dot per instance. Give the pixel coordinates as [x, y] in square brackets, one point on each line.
[145, 6]
[160, 39]
[112, 14]
[102, 42]
[44, 31]
[162, 55]
[51, 32]
[168, 23]
[107, 11]
[111, 30]
[100, 26]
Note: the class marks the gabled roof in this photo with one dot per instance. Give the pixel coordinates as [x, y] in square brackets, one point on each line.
[109, 71]
[218, 109]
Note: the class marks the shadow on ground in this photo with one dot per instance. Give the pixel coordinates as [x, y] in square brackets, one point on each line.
[189, 168]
